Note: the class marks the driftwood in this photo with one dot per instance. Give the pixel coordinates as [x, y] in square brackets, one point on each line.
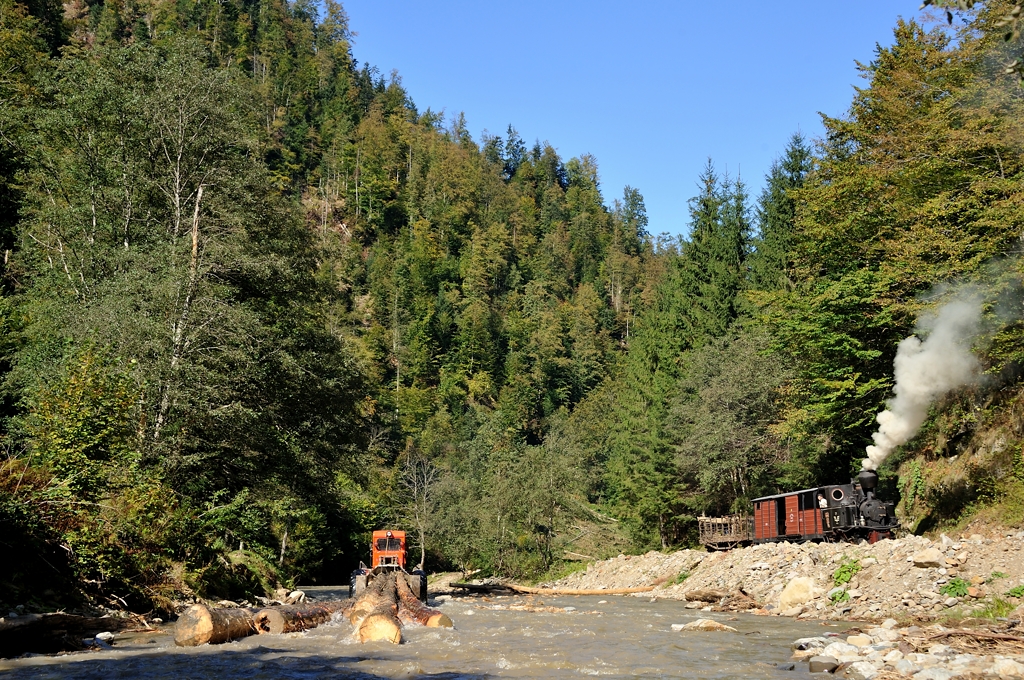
[380, 604]
[480, 587]
[705, 595]
[564, 591]
[200, 624]
[292, 618]
[411, 608]
[980, 635]
[50, 633]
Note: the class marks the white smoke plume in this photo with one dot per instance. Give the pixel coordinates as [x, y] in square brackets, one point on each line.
[926, 370]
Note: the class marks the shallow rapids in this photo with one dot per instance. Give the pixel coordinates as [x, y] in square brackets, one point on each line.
[623, 637]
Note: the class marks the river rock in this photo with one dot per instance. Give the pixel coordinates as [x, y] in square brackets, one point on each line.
[884, 634]
[707, 625]
[1006, 668]
[929, 558]
[861, 670]
[889, 624]
[840, 649]
[906, 667]
[810, 643]
[935, 674]
[798, 591]
[822, 664]
[859, 640]
[792, 611]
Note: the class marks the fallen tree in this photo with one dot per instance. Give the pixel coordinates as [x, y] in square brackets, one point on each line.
[412, 609]
[293, 618]
[565, 591]
[200, 624]
[375, 613]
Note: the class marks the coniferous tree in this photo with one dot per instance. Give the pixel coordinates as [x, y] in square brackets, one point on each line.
[776, 215]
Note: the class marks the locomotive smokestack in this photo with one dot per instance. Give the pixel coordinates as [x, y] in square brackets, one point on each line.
[868, 481]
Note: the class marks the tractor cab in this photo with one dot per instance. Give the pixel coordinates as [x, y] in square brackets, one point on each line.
[387, 549]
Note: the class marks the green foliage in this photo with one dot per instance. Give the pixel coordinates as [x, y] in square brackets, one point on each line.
[845, 572]
[1016, 591]
[679, 578]
[995, 575]
[839, 596]
[913, 486]
[955, 587]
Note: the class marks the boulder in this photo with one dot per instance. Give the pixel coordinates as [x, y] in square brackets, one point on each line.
[975, 592]
[884, 634]
[935, 674]
[810, 643]
[859, 640]
[906, 667]
[1006, 668]
[861, 670]
[707, 625]
[928, 558]
[893, 657]
[798, 591]
[822, 664]
[838, 649]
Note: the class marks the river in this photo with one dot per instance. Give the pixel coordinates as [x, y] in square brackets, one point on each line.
[618, 637]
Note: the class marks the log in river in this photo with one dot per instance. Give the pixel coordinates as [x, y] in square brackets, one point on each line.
[296, 617]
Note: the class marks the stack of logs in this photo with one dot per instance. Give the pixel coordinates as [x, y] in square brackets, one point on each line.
[377, 614]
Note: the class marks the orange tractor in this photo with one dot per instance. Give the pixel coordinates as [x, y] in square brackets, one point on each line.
[388, 554]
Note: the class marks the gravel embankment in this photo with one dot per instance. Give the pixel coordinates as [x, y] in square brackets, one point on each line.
[901, 578]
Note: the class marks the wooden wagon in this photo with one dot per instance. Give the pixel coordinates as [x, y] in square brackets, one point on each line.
[724, 533]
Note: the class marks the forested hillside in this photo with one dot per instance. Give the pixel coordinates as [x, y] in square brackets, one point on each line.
[256, 303]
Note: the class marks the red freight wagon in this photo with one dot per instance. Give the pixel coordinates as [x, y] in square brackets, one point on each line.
[793, 516]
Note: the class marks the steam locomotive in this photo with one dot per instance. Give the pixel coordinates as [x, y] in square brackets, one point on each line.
[840, 512]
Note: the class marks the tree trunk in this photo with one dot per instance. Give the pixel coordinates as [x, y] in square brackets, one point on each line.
[292, 618]
[412, 609]
[563, 591]
[200, 624]
[375, 613]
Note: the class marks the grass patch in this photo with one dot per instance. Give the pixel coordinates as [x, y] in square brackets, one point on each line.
[560, 570]
[991, 609]
[995, 575]
[1017, 591]
[680, 577]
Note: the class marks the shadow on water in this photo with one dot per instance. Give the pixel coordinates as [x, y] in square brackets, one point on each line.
[221, 662]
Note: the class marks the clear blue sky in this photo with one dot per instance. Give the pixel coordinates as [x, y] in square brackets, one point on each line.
[651, 89]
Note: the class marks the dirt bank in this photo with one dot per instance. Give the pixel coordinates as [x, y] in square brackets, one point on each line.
[902, 578]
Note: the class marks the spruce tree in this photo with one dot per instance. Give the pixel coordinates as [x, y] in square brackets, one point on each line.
[776, 214]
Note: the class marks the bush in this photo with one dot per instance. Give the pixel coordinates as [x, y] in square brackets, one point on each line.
[956, 587]
[845, 573]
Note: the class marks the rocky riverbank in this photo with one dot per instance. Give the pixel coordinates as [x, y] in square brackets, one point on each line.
[913, 578]
[932, 653]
